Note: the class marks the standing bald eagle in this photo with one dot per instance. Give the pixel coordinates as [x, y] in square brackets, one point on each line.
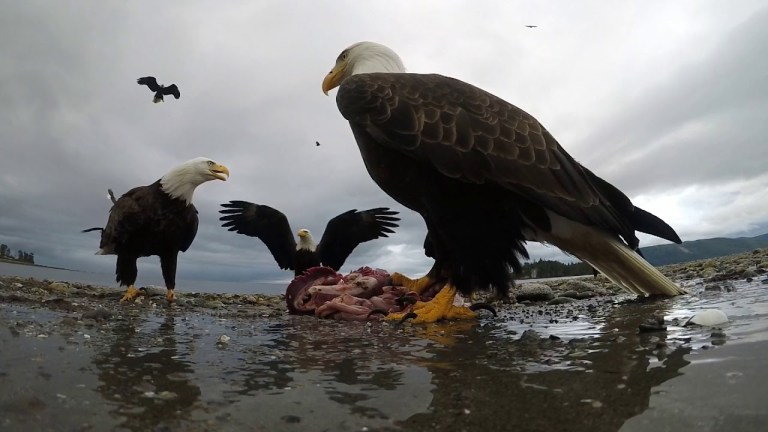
[486, 177]
[159, 89]
[158, 219]
[342, 234]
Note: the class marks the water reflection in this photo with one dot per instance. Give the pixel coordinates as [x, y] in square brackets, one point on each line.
[589, 369]
[332, 376]
[143, 373]
[321, 373]
[490, 384]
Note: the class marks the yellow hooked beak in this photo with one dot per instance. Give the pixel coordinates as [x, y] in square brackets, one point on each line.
[220, 172]
[333, 79]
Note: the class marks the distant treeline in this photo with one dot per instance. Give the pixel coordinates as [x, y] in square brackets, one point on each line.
[20, 255]
[547, 269]
[702, 249]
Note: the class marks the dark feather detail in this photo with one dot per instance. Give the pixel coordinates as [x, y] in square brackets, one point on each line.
[265, 223]
[172, 90]
[342, 234]
[158, 89]
[146, 221]
[481, 171]
[150, 82]
[347, 230]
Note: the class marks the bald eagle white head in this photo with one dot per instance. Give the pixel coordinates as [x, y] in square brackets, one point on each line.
[181, 181]
[362, 57]
[306, 241]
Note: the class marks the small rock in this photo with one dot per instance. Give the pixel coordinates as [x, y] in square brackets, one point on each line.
[291, 419]
[529, 337]
[213, 304]
[580, 286]
[653, 324]
[153, 291]
[534, 292]
[163, 395]
[708, 318]
[718, 336]
[748, 274]
[560, 300]
[60, 287]
[16, 285]
[99, 314]
[167, 395]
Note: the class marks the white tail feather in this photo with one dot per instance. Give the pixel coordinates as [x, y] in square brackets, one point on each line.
[613, 258]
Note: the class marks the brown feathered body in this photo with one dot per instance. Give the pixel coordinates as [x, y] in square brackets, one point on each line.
[147, 221]
[486, 176]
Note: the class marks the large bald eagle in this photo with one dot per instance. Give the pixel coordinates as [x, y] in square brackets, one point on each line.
[342, 234]
[158, 89]
[158, 219]
[486, 177]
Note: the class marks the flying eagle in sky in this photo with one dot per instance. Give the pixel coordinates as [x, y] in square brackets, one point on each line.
[342, 234]
[158, 219]
[486, 177]
[158, 89]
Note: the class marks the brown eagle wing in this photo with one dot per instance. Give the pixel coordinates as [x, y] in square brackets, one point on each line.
[265, 223]
[347, 230]
[469, 134]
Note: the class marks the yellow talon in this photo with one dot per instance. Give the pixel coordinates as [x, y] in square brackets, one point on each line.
[415, 285]
[130, 294]
[440, 307]
[170, 295]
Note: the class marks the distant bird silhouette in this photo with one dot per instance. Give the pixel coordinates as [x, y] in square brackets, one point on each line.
[159, 90]
[317, 143]
[531, 26]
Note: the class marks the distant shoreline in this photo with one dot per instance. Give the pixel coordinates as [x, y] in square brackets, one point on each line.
[4, 260]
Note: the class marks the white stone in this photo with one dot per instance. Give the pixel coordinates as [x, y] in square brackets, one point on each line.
[708, 317]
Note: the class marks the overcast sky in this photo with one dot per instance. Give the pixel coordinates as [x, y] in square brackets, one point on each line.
[666, 100]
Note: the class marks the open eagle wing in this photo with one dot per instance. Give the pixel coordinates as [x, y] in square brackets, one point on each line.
[150, 82]
[267, 224]
[347, 230]
[172, 90]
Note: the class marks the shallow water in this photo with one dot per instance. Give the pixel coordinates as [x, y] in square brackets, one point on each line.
[587, 370]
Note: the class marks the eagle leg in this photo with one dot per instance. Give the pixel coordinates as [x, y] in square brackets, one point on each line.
[416, 285]
[170, 295]
[130, 294]
[440, 307]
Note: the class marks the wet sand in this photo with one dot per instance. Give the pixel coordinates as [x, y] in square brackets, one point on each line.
[72, 358]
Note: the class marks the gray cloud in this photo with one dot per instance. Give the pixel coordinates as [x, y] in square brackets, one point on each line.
[667, 102]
